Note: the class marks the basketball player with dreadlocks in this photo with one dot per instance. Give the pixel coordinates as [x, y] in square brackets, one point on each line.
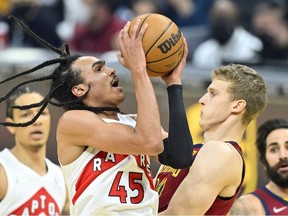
[105, 154]
[30, 183]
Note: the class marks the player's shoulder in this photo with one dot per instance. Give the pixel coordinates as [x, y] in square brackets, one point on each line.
[218, 147]
[249, 198]
[247, 204]
[51, 164]
[2, 152]
[72, 114]
[220, 153]
[76, 118]
[6, 156]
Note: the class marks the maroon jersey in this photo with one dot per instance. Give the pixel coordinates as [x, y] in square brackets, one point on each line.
[169, 179]
[273, 204]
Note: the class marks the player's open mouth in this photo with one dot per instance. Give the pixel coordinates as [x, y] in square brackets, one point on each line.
[115, 82]
[283, 167]
[37, 134]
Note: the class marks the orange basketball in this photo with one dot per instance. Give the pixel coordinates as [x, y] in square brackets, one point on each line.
[162, 43]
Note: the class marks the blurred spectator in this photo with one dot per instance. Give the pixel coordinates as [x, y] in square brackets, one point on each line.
[140, 7]
[99, 33]
[4, 8]
[187, 12]
[247, 7]
[41, 16]
[229, 41]
[270, 24]
[75, 12]
[129, 10]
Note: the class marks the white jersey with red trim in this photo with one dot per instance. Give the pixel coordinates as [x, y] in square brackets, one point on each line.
[29, 193]
[103, 183]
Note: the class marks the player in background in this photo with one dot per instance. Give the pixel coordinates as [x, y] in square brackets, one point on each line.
[271, 199]
[104, 153]
[30, 183]
[236, 95]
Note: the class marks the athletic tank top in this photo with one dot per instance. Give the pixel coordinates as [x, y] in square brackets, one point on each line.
[273, 204]
[29, 193]
[104, 183]
[169, 179]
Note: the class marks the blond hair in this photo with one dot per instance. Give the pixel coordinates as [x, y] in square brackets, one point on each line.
[246, 84]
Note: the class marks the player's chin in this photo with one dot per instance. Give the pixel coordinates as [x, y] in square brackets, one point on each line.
[121, 98]
[118, 88]
[38, 145]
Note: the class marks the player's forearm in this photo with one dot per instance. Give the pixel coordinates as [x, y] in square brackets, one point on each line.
[148, 116]
[179, 144]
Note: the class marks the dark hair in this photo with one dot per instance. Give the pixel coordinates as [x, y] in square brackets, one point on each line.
[10, 102]
[112, 5]
[64, 77]
[272, 6]
[264, 130]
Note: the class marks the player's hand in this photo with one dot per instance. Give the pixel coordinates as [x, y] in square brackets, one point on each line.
[131, 54]
[176, 75]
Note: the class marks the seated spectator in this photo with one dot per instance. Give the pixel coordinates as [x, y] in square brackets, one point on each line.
[128, 10]
[72, 17]
[229, 42]
[99, 34]
[270, 24]
[42, 17]
[140, 7]
[187, 12]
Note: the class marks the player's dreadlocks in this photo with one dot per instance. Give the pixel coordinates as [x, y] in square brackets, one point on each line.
[63, 79]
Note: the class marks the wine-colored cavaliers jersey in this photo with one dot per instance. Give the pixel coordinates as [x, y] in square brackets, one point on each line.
[169, 179]
[273, 204]
[29, 193]
[103, 183]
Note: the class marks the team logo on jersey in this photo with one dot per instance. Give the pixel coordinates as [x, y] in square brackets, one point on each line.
[168, 169]
[277, 210]
[160, 185]
[41, 203]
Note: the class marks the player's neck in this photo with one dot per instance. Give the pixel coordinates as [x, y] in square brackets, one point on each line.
[33, 159]
[225, 133]
[279, 191]
[109, 115]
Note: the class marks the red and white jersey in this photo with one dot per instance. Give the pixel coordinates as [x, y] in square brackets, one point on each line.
[103, 183]
[29, 193]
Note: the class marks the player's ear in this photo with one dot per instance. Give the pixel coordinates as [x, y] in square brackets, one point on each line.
[10, 129]
[80, 89]
[238, 106]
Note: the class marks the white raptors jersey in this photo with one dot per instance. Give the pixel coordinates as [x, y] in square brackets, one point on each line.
[101, 183]
[29, 193]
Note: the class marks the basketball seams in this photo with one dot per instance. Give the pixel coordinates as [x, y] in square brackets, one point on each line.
[168, 26]
[139, 28]
[166, 56]
[161, 72]
[161, 38]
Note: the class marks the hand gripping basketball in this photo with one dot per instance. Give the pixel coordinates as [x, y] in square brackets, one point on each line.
[162, 43]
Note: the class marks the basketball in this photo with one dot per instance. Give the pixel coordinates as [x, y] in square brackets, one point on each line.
[162, 43]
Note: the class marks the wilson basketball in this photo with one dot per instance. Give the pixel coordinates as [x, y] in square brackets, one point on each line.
[162, 43]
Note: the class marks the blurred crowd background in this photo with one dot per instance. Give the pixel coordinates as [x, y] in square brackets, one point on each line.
[218, 31]
[252, 32]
